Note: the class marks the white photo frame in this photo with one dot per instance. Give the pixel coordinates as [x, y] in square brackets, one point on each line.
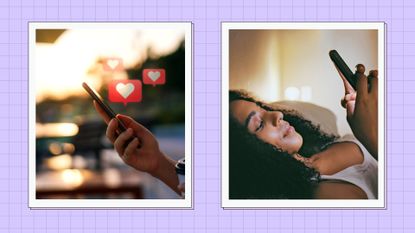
[187, 202]
[302, 203]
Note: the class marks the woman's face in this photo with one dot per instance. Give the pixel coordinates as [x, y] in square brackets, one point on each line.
[269, 126]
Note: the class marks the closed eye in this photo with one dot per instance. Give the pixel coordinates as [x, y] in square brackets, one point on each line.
[260, 126]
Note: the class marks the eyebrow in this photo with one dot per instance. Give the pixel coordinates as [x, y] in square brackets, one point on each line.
[248, 119]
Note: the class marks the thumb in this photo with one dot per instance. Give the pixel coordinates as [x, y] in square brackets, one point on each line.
[347, 98]
[347, 87]
[350, 109]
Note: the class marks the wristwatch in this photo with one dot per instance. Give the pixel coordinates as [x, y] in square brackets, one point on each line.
[180, 167]
[180, 173]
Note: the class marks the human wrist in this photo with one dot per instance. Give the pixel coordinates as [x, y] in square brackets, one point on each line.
[370, 141]
[164, 164]
[374, 144]
[166, 172]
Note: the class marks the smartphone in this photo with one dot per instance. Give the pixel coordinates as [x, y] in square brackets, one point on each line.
[97, 97]
[344, 69]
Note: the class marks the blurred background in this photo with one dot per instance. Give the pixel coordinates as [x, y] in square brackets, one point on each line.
[280, 65]
[74, 159]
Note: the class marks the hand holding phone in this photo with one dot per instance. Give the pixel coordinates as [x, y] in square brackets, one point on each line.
[137, 147]
[361, 103]
[347, 74]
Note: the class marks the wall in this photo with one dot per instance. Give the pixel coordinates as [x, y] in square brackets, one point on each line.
[254, 62]
[267, 62]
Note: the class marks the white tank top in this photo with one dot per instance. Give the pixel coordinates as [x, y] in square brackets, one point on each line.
[364, 175]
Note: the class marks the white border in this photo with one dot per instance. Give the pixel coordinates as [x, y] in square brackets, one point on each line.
[312, 203]
[112, 203]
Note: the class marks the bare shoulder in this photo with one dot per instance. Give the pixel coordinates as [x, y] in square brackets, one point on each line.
[338, 190]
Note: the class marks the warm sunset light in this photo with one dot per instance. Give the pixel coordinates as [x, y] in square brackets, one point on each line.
[61, 67]
[59, 162]
[56, 130]
[72, 177]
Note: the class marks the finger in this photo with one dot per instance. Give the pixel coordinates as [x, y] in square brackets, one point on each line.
[361, 87]
[112, 130]
[350, 108]
[373, 86]
[343, 102]
[373, 73]
[360, 68]
[347, 98]
[130, 149]
[351, 96]
[101, 112]
[142, 132]
[347, 87]
[121, 141]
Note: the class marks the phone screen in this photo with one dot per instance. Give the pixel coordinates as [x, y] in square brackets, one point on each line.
[97, 97]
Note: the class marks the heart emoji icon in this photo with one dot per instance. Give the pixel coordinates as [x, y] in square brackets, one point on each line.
[154, 75]
[125, 90]
[112, 63]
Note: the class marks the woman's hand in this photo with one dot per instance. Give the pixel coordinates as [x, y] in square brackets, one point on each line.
[138, 148]
[362, 110]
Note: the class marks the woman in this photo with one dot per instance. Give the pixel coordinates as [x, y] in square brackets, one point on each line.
[279, 154]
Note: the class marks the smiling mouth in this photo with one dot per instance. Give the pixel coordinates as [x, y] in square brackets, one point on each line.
[289, 130]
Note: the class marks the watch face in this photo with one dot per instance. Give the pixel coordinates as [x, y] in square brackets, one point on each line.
[180, 167]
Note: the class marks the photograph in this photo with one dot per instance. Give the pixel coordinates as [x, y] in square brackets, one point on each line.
[110, 115]
[303, 115]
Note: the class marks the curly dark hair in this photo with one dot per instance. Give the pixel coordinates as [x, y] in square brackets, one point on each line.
[259, 170]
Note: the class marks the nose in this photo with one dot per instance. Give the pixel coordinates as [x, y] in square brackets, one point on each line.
[277, 116]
